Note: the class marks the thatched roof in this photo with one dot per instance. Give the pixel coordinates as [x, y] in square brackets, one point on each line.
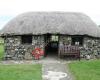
[70, 23]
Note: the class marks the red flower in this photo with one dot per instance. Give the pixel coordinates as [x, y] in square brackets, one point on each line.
[37, 53]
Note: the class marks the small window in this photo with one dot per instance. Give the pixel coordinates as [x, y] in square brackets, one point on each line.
[54, 38]
[77, 40]
[27, 39]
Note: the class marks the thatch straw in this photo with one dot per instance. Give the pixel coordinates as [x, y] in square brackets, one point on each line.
[52, 22]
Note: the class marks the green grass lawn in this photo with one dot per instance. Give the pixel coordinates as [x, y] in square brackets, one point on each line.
[1, 51]
[20, 72]
[85, 70]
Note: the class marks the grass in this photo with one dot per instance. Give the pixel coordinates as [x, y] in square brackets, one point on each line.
[1, 51]
[20, 72]
[85, 70]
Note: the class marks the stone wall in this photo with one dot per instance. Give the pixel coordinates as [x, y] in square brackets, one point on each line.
[65, 40]
[91, 46]
[15, 50]
[11, 44]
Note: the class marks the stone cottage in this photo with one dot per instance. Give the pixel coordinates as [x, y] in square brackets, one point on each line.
[48, 30]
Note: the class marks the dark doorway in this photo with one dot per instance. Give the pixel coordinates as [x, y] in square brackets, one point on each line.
[51, 47]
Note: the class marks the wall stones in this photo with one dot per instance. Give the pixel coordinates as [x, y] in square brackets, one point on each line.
[11, 43]
[15, 50]
[91, 46]
[65, 40]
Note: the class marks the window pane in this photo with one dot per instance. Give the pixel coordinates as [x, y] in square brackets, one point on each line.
[26, 39]
[54, 38]
[77, 40]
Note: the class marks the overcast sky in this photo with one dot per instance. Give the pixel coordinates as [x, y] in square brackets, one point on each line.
[10, 8]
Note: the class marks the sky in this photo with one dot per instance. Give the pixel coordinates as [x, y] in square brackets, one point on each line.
[11, 8]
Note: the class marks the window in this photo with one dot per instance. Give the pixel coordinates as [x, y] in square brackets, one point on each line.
[54, 38]
[77, 40]
[26, 39]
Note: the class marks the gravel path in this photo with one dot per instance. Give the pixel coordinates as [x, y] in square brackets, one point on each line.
[55, 71]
